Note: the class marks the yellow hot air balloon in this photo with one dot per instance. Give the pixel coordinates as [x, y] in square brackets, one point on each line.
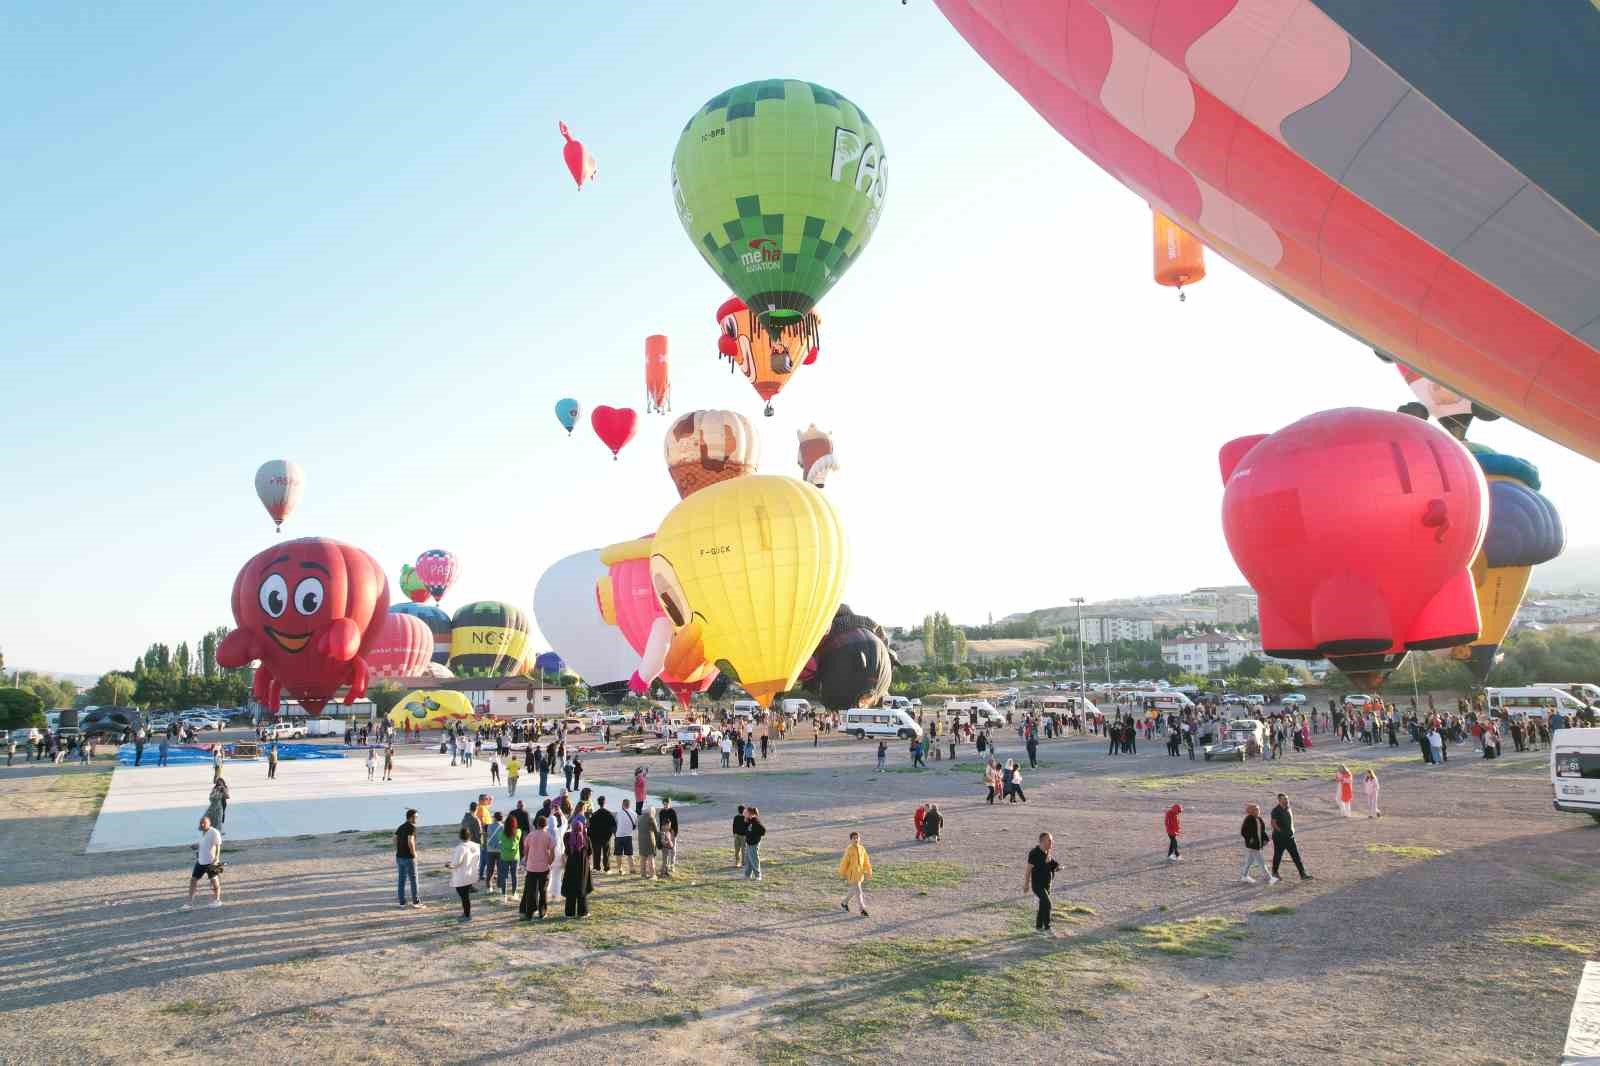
[755, 569]
[432, 708]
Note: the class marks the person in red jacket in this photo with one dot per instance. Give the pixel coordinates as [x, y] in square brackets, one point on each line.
[1173, 831]
[917, 817]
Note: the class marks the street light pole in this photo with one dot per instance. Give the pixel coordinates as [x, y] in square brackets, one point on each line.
[1082, 688]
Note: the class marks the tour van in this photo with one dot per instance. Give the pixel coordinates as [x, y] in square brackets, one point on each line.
[895, 703]
[746, 709]
[1581, 690]
[1575, 771]
[980, 713]
[880, 722]
[796, 708]
[1533, 701]
[1156, 701]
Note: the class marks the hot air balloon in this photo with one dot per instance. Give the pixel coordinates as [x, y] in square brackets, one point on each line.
[438, 624]
[403, 647]
[1453, 413]
[614, 426]
[627, 600]
[549, 664]
[488, 639]
[767, 357]
[1356, 529]
[755, 567]
[412, 585]
[1524, 531]
[657, 383]
[432, 708]
[1359, 158]
[309, 610]
[853, 665]
[705, 447]
[779, 184]
[577, 157]
[568, 411]
[437, 568]
[568, 616]
[816, 455]
[1180, 259]
[278, 485]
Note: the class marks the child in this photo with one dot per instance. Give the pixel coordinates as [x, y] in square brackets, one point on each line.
[388, 763]
[916, 819]
[372, 763]
[1369, 783]
[1174, 830]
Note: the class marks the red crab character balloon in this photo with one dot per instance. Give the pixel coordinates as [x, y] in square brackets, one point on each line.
[309, 610]
[1357, 529]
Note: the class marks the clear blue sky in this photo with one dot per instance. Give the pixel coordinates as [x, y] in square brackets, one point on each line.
[240, 232]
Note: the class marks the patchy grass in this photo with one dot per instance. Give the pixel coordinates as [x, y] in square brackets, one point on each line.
[186, 1007]
[1254, 774]
[1276, 910]
[1405, 851]
[1550, 943]
[1200, 938]
[919, 873]
[89, 788]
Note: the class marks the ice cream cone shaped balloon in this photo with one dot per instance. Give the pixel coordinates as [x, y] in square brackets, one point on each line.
[708, 447]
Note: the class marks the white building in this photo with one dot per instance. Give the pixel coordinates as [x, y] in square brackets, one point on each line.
[1208, 653]
[1105, 630]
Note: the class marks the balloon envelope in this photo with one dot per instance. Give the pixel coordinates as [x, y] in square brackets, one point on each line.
[816, 456]
[437, 568]
[278, 486]
[1355, 528]
[614, 426]
[1355, 157]
[755, 567]
[705, 447]
[657, 380]
[438, 624]
[403, 647]
[412, 585]
[580, 164]
[567, 413]
[779, 184]
[767, 356]
[568, 616]
[431, 708]
[550, 664]
[853, 666]
[488, 639]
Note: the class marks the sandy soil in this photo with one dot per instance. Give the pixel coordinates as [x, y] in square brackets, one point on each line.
[1452, 930]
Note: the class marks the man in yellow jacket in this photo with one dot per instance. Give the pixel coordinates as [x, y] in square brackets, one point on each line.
[854, 869]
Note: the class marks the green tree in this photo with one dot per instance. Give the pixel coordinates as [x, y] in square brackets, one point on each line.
[180, 659]
[20, 709]
[385, 696]
[1249, 667]
[112, 690]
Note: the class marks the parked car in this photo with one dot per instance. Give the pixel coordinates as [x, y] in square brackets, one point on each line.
[1356, 699]
[1256, 699]
[695, 732]
[1293, 699]
[26, 736]
[295, 730]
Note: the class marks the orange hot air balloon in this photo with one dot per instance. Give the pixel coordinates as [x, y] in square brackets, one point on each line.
[705, 447]
[1180, 259]
[657, 383]
[767, 355]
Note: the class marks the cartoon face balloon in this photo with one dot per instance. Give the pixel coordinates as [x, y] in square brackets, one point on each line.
[627, 600]
[309, 610]
[755, 567]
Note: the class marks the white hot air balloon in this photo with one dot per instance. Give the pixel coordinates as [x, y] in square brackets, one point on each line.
[278, 484]
[568, 615]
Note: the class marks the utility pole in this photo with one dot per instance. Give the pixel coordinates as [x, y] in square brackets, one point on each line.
[1082, 688]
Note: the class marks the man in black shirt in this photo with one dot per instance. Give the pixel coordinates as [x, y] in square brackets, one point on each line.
[405, 857]
[739, 826]
[602, 827]
[1283, 838]
[1041, 868]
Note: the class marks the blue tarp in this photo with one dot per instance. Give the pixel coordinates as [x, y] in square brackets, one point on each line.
[197, 755]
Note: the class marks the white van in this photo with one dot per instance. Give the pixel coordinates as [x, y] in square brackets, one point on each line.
[980, 713]
[1161, 701]
[880, 722]
[746, 709]
[1575, 771]
[796, 708]
[895, 703]
[1533, 701]
[1582, 690]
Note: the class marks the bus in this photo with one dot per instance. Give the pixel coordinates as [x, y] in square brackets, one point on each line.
[1575, 771]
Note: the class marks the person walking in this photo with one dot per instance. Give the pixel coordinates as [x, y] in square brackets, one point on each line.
[577, 881]
[463, 867]
[513, 771]
[883, 755]
[1254, 832]
[740, 824]
[577, 773]
[727, 750]
[372, 764]
[494, 769]
[753, 832]
[1369, 785]
[489, 854]
[855, 866]
[991, 774]
[649, 843]
[1436, 744]
[932, 823]
[388, 762]
[405, 858]
[667, 820]
[1344, 789]
[1174, 826]
[1041, 868]
[217, 812]
[138, 747]
[1033, 750]
[538, 855]
[566, 768]
[272, 756]
[627, 825]
[602, 830]
[1283, 838]
[510, 855]
[639, 775]
[207, 864]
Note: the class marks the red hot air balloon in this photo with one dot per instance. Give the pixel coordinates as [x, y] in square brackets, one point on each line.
[309, 610]
[403, 647]
[437, 568]
[614, 426]
[577, 157]
[1356, 528]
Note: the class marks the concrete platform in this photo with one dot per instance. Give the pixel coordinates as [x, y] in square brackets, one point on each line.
[160, 806]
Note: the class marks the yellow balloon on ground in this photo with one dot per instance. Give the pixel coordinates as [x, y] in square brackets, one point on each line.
[431, 708]
[755, 569]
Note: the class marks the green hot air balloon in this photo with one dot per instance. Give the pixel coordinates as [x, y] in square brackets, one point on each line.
[780, 184]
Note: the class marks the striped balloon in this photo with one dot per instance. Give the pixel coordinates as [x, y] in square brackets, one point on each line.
[437, 569]
[403, 647]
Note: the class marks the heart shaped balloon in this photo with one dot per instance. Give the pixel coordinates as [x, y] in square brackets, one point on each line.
[614, 426]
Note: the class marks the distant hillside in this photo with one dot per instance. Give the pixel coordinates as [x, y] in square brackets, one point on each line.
[1577, 570]
[910, 651]
[81, 680]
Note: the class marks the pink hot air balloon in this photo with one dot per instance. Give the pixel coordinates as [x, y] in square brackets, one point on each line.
[403, 647]
[577, 157]
[437, 569]
[278, 484]
[627, 599]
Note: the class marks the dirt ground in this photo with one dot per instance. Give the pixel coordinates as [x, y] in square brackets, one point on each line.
[1452, 930]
